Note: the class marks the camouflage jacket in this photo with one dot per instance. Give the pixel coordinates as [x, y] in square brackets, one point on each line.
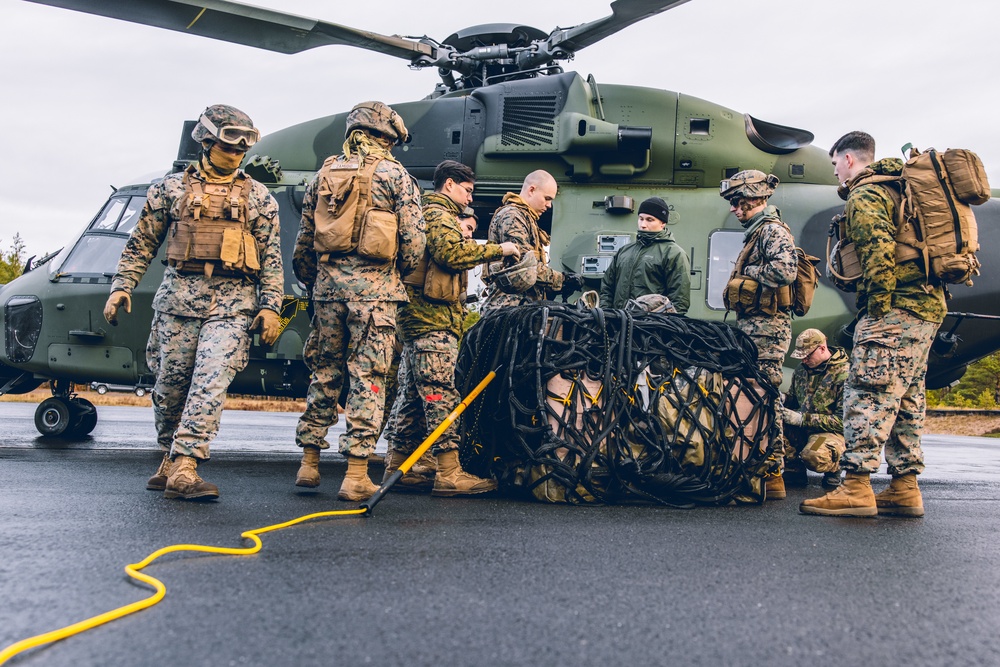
[871, 225]
[353, 278]
[771, 261]
[653, 264]
[195, 295]
[516, 222]
[818, 393]
[449, 249]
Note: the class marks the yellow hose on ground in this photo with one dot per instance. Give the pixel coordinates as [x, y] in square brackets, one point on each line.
[133, 570]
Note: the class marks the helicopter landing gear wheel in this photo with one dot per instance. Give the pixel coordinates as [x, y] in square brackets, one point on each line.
[140, 392]
[102, 389]
[83, 417]
[52, 417]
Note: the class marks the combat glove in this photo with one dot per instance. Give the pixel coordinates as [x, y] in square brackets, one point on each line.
[269, 324]
[791, 417]
[572, 282]
[115, 301]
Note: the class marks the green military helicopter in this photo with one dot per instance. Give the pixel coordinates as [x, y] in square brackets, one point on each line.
[505, 107]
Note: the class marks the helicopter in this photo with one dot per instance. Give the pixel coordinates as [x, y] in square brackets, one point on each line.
[504, 105]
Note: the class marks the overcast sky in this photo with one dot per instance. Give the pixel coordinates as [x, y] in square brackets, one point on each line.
[90, 102]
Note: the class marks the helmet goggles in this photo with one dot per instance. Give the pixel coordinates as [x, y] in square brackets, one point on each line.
[234, 135]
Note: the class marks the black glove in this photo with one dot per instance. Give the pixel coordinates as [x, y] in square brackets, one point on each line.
[572, 282]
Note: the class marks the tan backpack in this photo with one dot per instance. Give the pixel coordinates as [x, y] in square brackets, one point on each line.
[934, 196]
[345, 219]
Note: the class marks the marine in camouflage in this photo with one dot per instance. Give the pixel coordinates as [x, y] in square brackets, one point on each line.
[354, 324]
[871, 225]
[199, 338]
[884, 397]
[818, 395]
[449, 249]
[771, 262]
[515, 221]
[430, 333]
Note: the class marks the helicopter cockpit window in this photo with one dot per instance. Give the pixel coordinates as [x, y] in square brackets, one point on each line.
[131, 215]
[107, 219]
[95, 254]
[723, 249]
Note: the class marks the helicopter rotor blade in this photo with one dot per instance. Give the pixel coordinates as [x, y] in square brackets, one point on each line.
[624, 14]
[244, 24]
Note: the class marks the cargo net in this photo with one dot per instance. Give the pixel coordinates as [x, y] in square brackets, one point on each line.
[610, 406]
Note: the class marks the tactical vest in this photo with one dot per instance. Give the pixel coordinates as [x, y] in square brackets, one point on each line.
[213, 236]
[439, 284]
[745, 295]
[345, 220]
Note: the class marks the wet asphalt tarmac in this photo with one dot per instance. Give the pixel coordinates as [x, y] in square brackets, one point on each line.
[481, 581]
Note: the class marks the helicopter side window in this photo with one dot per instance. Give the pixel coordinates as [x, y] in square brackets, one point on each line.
[723, 249]
[107, 219]
[131, 215]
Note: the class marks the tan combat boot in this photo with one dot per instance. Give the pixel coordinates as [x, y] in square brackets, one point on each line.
[902, 498]
[308, 474]
[852, 498]
[451, 480]
[357, 485]
[185, 483]
[774, 487]
[418, 479]
[158, 482]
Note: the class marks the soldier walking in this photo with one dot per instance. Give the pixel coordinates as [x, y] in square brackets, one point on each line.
[759, 287]
[360, 234]
[430, 325]
[223, 279]
[899, 314]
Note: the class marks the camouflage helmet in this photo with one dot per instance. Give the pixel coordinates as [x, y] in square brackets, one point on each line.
[378, 117]
[516, 278]
[655, 303]
[221, 122]
[748, 184]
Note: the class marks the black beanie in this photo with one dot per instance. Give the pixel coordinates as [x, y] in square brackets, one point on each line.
[655, 207]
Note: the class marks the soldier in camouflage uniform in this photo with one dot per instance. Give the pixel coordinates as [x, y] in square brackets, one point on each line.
[355, 296]
[214, 291]
[813, 411]
[899, 314]
[758, 289]
[430, 326]
[517, 221]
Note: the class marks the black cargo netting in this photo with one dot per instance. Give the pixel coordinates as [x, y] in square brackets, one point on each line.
[613, 406]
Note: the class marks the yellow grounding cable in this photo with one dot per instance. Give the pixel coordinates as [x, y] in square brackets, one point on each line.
[133, 569]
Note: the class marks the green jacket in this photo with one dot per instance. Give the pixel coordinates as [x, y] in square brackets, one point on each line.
[871, 225]
[450, 250]
[653, 264]
[818, 393]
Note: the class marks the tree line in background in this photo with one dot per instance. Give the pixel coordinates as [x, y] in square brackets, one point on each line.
[12, 261]
[978, 388]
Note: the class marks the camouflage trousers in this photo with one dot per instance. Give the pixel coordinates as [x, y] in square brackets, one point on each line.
[356, 336]
[884, 399]
[194, 361]
[427, 393]
[772, 334]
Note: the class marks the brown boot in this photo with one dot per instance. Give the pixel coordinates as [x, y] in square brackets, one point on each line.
[308, 474]
[451, 480]
[158, 482]
[852, 498]
[902, 498]
[774, 487]
[418, 479]
[185, 483]
[357, 485]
